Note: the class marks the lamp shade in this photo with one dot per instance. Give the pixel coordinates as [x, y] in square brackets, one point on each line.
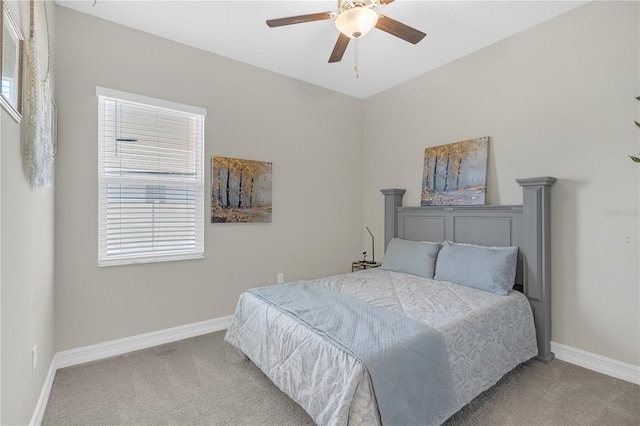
[357, 21]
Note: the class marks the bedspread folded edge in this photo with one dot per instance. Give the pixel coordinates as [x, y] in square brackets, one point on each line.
[406, 360]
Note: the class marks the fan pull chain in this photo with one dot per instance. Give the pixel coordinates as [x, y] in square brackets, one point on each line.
[355, 66]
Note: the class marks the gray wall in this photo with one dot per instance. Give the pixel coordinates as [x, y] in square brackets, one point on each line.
[312, 136]
[27, 277]
[557, 100]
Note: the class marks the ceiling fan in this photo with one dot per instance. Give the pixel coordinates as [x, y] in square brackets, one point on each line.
[354, 19]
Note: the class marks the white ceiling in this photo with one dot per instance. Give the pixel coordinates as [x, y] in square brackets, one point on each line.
[237, 30]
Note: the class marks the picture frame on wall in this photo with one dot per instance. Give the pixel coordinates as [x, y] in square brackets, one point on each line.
[11, 64]
[455, 173]
[241, 190]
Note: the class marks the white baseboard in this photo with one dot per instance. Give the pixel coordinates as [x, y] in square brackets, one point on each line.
[41, 406]
[142, 341]
[601, 364]
[118, 347]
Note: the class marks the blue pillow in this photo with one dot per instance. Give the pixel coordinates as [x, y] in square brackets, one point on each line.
[411, 257]
[486, 268]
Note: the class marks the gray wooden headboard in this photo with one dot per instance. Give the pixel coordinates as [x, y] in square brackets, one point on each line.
[526, 226]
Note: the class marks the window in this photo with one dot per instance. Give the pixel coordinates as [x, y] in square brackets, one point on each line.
[151, 179]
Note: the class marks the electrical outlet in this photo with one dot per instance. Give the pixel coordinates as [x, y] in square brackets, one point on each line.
[34, 358]
[280, 277]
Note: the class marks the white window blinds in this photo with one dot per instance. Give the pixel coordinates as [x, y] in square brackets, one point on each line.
[151, 179]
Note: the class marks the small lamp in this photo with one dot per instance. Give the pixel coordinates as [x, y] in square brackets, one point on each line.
[373, 247]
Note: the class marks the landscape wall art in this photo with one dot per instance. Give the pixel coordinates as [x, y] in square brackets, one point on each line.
[456, 173]
[240, 190]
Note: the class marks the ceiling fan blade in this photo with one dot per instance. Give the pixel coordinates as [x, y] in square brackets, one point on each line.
[300, 19]
[339, 48]
[399, 29]
[385, 2]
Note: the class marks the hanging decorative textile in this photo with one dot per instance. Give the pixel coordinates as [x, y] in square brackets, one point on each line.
[38, 142]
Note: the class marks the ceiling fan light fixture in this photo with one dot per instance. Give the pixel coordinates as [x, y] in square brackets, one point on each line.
[357, 21]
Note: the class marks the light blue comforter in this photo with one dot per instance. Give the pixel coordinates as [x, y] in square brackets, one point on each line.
[406, 360]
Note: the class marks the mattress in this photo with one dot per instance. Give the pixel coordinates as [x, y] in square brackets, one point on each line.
[486, 336]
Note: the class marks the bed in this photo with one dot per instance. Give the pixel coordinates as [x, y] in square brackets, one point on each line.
[336, 345]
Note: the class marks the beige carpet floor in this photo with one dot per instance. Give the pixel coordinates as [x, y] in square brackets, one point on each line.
[200, 381]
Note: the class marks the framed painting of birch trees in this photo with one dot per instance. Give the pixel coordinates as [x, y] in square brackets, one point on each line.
[456, 173]
[240, 190]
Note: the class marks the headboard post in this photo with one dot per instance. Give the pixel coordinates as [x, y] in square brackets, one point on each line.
[537, 252]
[392, 199]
